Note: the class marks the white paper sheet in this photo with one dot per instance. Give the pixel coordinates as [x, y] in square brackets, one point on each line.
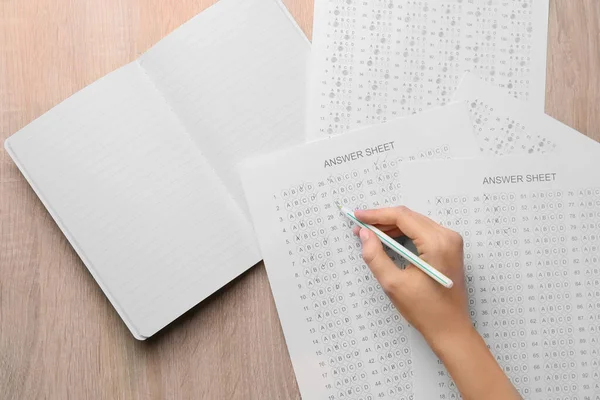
[531, 226]
[136, 168]
[376, 60]
[345, 338]
[504, 125]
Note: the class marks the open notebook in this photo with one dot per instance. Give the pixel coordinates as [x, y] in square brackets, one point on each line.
[137, 169]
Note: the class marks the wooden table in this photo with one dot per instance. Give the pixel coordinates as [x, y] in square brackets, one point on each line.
[59, 336]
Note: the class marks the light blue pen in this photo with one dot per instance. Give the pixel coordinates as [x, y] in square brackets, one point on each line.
[402, 251]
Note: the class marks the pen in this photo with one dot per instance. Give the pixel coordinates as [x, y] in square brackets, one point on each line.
[401, 250]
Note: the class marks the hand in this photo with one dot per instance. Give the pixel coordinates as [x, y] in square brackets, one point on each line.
[440, 314]
[437, 312]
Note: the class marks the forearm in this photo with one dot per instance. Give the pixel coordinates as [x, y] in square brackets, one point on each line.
[472, 367]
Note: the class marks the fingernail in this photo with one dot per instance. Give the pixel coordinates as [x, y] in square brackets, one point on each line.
[364, 234]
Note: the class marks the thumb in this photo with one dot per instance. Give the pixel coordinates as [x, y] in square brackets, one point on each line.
[383, 268]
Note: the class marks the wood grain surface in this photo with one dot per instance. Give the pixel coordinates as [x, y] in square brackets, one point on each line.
[59, 336]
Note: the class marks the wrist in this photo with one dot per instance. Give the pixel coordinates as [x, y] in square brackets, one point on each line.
[451, 338]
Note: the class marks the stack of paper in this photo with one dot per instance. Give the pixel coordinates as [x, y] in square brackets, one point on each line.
[344, 336]
[525, 192]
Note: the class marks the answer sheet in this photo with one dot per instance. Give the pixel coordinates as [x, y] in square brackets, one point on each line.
[376, 60]
[345, 338]
[504, 125]
[531, 228]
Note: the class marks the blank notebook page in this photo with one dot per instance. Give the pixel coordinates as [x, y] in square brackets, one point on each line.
[136, 168]
[234, 82]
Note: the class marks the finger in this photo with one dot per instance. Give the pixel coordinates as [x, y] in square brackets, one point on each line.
[395, 233]
[383, 268]
[411, 223]
[385, 228]
[390, 230]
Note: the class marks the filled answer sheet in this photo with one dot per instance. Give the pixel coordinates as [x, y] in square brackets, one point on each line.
[531, 228]
[504, 125]
[375, 60]
[345, 338]
[136, 169]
